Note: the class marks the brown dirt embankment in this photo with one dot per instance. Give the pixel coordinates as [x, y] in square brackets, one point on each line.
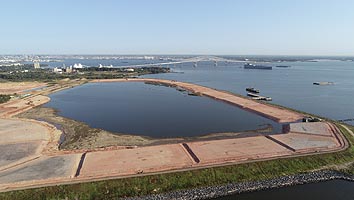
[79, 135]
[18, 87]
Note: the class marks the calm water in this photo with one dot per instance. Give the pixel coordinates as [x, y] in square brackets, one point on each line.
[150, 110]
[330, 190]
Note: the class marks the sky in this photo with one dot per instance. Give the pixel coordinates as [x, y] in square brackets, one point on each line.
[213, 27]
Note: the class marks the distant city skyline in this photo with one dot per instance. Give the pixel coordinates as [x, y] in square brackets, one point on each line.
[184, 27]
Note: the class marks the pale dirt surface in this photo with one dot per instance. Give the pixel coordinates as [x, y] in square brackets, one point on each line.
[17, 131]
[22, 140]
[17, 106]
[18, 87]
[133, 161]
[12, 153]
[48, 165]
[316, 128]
[42, 168]
[301, 142]
[240, 149]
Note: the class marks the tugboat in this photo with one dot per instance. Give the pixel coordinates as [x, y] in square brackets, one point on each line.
[251, 89]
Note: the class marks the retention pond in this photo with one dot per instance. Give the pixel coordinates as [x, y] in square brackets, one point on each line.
[154, 111]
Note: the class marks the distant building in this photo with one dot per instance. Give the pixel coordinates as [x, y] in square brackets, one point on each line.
[69, 69]
[36, 64]
[129, 70]
[105, 66]
[78, 66]
[149, 57]
[58, 70]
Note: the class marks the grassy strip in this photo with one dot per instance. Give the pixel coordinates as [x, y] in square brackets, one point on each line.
[190, 179]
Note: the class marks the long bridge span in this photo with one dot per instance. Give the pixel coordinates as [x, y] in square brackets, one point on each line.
[194, 60]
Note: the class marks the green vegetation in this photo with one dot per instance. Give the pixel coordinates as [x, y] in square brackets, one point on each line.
[110, 189]
[18, 67]
[28, 73]
[4, 98]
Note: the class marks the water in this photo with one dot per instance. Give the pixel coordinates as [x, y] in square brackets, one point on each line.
[330, 190]
[150, 110]
[291, 87]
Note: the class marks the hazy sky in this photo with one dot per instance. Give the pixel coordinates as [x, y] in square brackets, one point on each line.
[267, 27]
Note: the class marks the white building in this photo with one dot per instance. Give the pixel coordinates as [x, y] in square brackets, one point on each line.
[78, 66]
[57, 70]
[129, 70]
[36, 64]
[104, 66]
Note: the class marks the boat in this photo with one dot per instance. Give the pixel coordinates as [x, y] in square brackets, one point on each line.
[252, 94]
[258, 97]
[251, 89]
[283, 66]
[323, 83]
[252, 66]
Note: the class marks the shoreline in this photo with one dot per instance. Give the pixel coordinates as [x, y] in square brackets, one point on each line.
[211, 192]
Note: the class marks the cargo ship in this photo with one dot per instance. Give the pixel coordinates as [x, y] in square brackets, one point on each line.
[252, 66]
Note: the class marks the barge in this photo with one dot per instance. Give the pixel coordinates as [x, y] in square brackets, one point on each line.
[252, 66]
[258, 97]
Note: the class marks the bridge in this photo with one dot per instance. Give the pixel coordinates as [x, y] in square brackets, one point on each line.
[193, 60]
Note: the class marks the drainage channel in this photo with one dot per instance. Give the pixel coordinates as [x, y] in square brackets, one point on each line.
[191, 153]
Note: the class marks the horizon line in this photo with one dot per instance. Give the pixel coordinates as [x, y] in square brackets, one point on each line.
[192, 54]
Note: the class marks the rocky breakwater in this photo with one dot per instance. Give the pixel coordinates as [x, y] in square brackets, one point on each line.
[237, 188]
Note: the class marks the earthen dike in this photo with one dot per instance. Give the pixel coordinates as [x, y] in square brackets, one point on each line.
[30, 156]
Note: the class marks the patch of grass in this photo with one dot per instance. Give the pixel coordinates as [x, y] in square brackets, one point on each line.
[4, 98]
[110, 189]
